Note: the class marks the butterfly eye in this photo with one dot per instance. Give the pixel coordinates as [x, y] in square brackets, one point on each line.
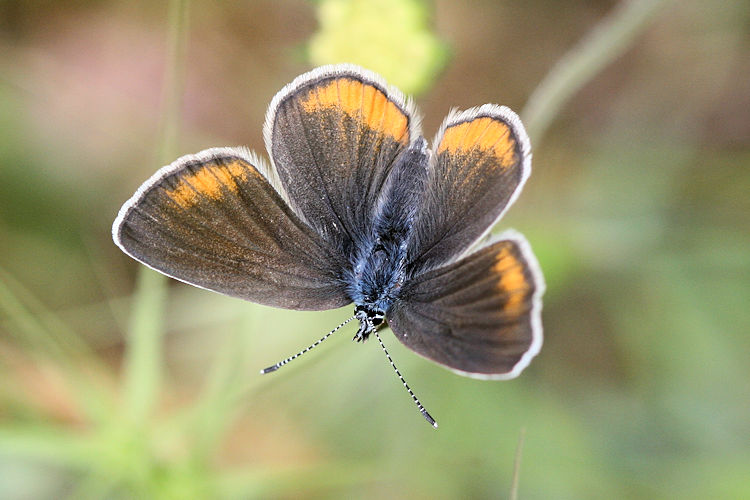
[375, 316]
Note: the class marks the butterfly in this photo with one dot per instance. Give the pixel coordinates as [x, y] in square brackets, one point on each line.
[355, 207]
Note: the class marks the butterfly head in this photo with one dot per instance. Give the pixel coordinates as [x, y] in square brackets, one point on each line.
[370, 317]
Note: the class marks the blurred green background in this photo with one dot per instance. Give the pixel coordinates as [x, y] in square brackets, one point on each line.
[113, 386]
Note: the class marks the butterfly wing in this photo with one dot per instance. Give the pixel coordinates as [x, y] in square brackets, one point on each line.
[481, 160]
[333, 135]
[479, 316]
[214, 221]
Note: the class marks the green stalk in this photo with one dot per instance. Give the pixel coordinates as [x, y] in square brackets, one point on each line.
[602, 45]
[143, 355]
[48, 337]
[517, 466]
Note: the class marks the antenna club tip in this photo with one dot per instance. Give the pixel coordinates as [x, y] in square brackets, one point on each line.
[269, 369]
[429, 419]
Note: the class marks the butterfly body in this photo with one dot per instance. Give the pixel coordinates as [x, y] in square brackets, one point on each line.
[380, 264]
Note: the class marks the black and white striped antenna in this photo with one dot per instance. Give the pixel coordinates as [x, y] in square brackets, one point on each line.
[372, 329]
[278, 365]
[422, 410]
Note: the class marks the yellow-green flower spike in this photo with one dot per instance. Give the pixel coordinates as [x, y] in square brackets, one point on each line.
[390, 37]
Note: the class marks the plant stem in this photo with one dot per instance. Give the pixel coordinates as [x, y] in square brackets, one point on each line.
[517, 466]
[602, 45]
[143, 356]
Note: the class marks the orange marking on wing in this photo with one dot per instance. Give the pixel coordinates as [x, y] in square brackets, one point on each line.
[513, 282]
[360, 101]
[208, 182]
[352, 94]
[485, 134]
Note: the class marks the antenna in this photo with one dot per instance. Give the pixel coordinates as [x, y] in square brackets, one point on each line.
[422, 410]
[278, 365]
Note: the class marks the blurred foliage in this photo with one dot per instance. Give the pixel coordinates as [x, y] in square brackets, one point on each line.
[638, 210]
[390, 37]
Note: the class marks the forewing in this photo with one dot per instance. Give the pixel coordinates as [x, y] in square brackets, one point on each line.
[333, 135]
[214, 221]
[479, 316]
[480, 162]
